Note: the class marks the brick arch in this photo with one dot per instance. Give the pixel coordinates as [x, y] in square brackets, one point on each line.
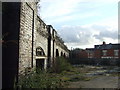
[41, 59]
[40, 51]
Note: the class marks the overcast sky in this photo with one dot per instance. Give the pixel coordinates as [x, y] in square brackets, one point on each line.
[82, 23]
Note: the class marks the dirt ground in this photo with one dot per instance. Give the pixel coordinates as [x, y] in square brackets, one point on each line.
[97, 81]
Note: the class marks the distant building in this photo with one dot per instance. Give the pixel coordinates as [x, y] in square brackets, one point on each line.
[104, 51]
[103, 54]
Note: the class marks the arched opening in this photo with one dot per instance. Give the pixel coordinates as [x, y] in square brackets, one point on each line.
[40, 59]
[57, 53]
[40, 52]
[61, 53]
[64, 55]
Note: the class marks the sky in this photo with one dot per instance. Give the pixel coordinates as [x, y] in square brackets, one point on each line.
[82, 23]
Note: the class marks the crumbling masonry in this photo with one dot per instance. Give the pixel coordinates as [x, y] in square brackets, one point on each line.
[37, 45]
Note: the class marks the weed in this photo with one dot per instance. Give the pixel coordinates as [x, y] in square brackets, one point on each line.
[40, 80]
[60, 65]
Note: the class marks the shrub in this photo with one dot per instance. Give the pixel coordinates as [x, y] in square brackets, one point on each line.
[61, 64]
[43, 79]
[39, 80]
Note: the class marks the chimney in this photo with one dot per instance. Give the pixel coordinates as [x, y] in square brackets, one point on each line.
[104, 42]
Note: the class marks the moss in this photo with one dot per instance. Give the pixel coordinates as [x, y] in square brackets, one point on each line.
[64, 79]
[87, 79]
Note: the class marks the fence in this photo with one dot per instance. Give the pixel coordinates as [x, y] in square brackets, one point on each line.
[95, 61]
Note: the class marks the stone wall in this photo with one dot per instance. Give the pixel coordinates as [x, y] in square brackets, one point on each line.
[26, 41]
[24, 33]
[35, 33]
[42, 36]
[57, 44]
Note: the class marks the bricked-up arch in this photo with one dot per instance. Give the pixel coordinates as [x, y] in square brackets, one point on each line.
[57, 53]
[40, 59]
[39, 51]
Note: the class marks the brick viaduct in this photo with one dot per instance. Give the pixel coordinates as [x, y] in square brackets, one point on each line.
[37, 38]
[30, 42]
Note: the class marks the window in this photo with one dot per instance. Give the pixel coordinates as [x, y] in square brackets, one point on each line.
[104, 52]
[116, 52]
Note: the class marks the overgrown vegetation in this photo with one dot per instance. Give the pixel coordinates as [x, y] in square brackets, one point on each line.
[40, 80]
[59, 76]
[49, 79]
[61, 64]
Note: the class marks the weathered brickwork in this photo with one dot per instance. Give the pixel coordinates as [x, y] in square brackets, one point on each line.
[34, 33]
[41, 35]
[56, 44]
[31, 44]
[27, 25]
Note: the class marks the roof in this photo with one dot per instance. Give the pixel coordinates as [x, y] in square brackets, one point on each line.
[90, 49]
[108, 46]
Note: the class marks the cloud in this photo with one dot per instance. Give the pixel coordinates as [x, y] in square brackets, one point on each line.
[82, 23]
[55, 8]
[107, 34]
[74, 34]
[75, 12]
[73, 17]
[87, 36]
[51, 8]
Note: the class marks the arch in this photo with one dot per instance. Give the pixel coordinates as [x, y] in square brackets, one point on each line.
[64, 55]
[61, 53]
[41, 62]
[57, 53]
[40, 51]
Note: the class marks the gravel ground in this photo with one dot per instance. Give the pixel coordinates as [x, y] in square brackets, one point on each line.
[99, 82]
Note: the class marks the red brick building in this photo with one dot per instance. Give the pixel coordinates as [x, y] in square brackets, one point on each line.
[83, 54]
[104, 51]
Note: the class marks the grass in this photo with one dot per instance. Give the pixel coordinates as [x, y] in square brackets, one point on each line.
[50, 79]
[59, 76]
[115, 74]
[54, 80]
[40, 80]
[61, 64]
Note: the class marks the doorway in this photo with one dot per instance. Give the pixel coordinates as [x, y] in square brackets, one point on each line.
[39, 65]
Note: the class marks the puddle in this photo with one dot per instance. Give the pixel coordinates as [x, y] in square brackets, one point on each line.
[100, 72]
[103, 71]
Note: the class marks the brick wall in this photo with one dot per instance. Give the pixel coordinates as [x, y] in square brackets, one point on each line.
[26, 41]
[97, 53]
